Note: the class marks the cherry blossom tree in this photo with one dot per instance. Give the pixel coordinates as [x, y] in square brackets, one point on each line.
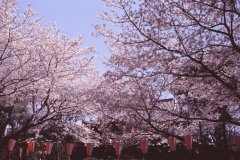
[46, 79]
[189, 48]
[133, 108]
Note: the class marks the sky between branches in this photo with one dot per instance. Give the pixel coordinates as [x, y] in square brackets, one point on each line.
[74, 17]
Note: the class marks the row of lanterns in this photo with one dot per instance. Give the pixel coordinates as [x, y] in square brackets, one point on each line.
[172, 142]
[118, 146]
[31, 147]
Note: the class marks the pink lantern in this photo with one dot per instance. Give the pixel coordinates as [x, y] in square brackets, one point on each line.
[118, 149]
[31, 146]
[69, 148]
[11, 144]
[144, 145]
[49, 146]
[172, 143]
[90, 147]
[188, 141]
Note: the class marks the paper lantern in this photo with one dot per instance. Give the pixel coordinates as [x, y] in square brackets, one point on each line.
[188, 141]
[11, 144]
[69, 148]
[118, 148]
[172, 143]
[31, 146]
[90, 147]
[49, 146]
[144, 145]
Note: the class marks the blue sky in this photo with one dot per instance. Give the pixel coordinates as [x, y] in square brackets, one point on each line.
[74, 17]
